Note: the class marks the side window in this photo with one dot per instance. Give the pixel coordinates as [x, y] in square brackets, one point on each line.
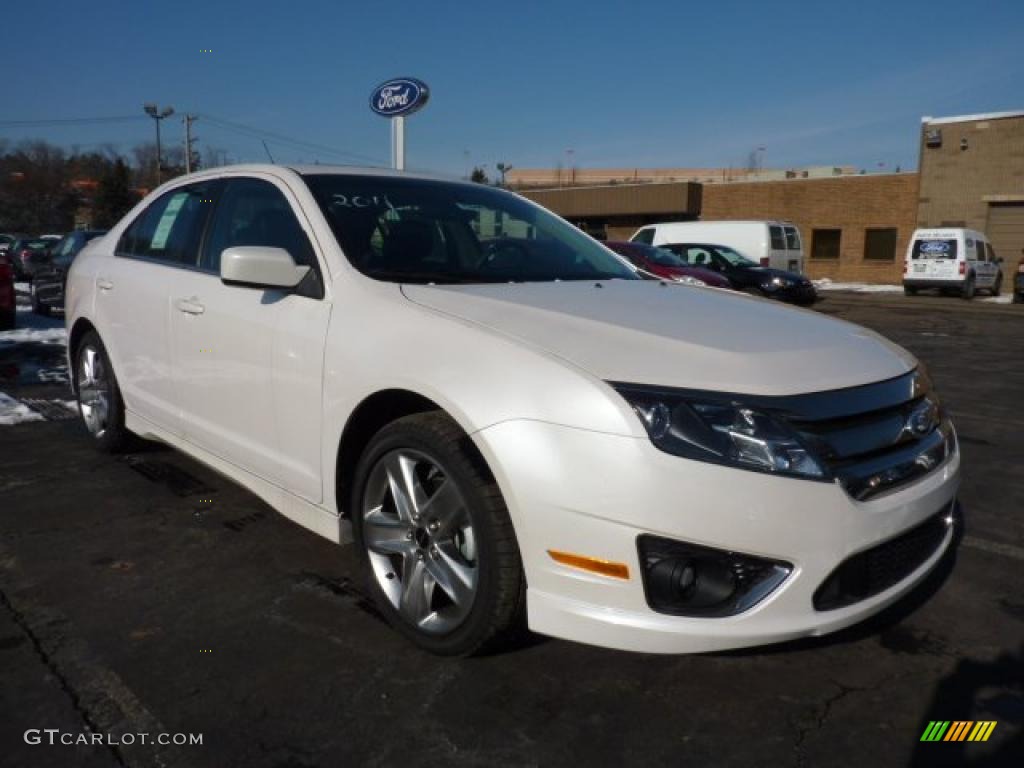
[255, 212]
[645, 236]
[778, 238]
[171, 227]
[980, 245]
[991, 252]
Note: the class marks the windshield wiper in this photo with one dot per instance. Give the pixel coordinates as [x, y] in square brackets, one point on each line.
[402, 276]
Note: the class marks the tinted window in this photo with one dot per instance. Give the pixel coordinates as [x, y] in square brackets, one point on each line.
[709, 255]
[778, 238]
[171, 227]
[880, 244]
[980, 250]
[825, 243]
[418, 230]
[255, 212]
[934, 249]
[991, 252]
[645, 236]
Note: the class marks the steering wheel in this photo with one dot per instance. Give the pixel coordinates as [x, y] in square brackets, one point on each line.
[504, 254]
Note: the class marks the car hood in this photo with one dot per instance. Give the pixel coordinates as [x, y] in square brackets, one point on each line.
[676, 336]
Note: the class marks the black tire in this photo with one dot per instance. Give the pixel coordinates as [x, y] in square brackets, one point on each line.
[967, 293]
[1018, 298]
[114, 436]
[497, 607]
[8, 321]
[37, 307]
[997, 287]
[908, 291]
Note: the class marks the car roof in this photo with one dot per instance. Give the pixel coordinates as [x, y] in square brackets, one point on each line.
[317, 170]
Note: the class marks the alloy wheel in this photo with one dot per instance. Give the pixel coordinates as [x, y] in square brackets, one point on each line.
[420, 540]
[94, 395]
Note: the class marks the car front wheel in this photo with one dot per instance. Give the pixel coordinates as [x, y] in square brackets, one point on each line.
[435, 538]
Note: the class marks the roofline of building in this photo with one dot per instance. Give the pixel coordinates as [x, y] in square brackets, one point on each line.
[622, 185]
[970, 118]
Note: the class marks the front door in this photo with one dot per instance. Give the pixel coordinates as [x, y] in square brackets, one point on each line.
[249, 361]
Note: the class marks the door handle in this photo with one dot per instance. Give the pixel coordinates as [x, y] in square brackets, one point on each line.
[190, 306]
[103, 284]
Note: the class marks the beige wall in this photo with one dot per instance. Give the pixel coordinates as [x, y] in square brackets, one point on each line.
[849, 203]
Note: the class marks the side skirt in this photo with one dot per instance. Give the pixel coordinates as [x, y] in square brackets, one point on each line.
[296, 509]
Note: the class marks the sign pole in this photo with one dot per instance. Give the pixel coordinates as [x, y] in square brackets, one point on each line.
[398, 142]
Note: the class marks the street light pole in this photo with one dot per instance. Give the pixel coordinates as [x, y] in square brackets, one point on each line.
[157, 114]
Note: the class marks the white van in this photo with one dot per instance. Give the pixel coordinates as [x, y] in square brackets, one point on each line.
[952, 258]
[772, 243]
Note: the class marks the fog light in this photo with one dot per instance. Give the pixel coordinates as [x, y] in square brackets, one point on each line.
[690, 580]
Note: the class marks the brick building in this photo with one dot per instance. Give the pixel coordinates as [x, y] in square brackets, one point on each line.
[972, 175]
[855, 227]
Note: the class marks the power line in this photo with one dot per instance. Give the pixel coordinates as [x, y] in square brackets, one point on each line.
[309, 146]
[71, 121]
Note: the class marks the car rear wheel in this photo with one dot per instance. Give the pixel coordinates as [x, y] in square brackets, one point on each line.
[908, 291]
[997, 287]
[435, 538]
[968, 290]
[99, 397]
[37, 307]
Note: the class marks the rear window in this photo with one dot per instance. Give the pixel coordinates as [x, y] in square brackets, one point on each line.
[792, 239]
[778, 239]
[934, 249]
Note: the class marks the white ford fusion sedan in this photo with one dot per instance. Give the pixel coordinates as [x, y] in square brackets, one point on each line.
[506, 420]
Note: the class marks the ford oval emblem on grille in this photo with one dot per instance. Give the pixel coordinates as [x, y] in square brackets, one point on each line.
[400, 96]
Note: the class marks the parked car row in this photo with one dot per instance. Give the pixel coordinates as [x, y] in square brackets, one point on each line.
[41, 261]
[762, 258]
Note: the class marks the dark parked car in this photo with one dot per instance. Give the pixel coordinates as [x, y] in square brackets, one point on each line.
[28, 254]
[1018, 284]
[8, 310]
[666, 264]
[746, 275]
[49, 281]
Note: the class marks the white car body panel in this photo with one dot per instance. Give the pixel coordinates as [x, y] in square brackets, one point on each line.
[523, 369]
[972, 259]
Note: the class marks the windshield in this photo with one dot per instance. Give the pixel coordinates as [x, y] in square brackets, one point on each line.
[663, 257]
[701, 255]
[425, 231]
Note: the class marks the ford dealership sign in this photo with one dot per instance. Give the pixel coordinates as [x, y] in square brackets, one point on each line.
[401, 96]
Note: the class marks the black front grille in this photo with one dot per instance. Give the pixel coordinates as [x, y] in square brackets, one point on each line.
[875, 570]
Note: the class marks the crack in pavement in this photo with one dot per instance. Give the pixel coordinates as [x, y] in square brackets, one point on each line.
[826, 709]
[76, 702]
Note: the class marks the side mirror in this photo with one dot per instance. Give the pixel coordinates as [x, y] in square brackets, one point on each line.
[257, 266]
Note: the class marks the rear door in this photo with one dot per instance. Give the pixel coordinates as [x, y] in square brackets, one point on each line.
[133, 295]
[778, 255]
[794, 249]
[248, 361]
[935, 257]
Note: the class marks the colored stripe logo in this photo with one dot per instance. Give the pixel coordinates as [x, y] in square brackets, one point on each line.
[958, 730]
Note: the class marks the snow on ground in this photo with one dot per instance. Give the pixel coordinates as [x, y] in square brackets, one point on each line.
[825, 284]
[13, 412]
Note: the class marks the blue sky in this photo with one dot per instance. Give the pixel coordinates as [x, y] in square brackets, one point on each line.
[621, 84]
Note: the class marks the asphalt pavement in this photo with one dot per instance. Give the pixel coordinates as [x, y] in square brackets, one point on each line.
[145, 594]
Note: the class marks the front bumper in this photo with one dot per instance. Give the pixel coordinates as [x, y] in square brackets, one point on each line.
[594, 494]
[793, 294]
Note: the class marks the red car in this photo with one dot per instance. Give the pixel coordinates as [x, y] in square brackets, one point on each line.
[666, 264]
[7, 300]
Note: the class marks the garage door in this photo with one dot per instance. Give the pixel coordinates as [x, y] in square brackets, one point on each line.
[1006, 231]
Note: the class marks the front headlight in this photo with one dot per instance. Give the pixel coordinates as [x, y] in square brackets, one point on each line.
[687, 280]
[780, 282]
[721, 432]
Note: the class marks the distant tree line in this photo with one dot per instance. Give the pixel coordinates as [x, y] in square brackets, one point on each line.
[47, 188]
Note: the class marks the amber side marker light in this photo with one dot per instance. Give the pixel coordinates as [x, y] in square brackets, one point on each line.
[592, 564]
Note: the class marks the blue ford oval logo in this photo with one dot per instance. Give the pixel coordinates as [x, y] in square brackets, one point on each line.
[934, 246]
[401, 96]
